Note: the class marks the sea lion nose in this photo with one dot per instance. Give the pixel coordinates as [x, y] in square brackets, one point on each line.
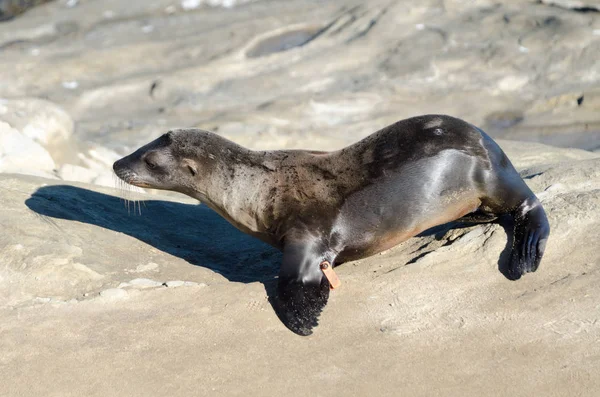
[120, 166]
[116, 165]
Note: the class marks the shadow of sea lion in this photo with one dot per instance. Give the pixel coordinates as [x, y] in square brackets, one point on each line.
[505, 222]
[192, 232]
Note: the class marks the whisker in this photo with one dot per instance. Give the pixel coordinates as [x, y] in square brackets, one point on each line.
[127, 196]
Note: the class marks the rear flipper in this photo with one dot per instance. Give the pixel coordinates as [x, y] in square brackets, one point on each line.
[531, 230]
[508, 194]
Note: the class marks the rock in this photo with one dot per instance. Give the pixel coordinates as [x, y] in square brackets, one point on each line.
[114, 294]
[145, 283]
[193, 284]
[35, 134]
[100, 157]
[148, 267]
[105, 179]
[37, 138]
[190, 4]
[19, 153]
[442, 293]
[75, 173]
[512, 83]
[174, 284]
[70, 85]
[40, 120]
[179, 283]
[318, 80]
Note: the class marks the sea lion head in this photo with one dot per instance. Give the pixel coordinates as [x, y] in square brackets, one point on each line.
[170, 162]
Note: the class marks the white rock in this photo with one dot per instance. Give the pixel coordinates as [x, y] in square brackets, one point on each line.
[513, 83]
[145, 283]
[70, 172]
[151, 266]
[193, 284]
[190, 4]
[179, 283]
[226, 3]
[99, 158]
[89, 273]
[42, 300]
[175, 283]
[70, 85]
[21, 154]
[105, 179]
[114, 294]
[40, 120]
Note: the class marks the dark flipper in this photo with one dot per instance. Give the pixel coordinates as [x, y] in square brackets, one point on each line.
[302, 289]
[507, 194]
[531, 230]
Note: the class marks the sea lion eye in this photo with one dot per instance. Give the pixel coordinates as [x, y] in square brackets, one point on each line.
[149, 163]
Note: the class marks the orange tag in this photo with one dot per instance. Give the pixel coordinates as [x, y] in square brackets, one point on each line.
[327, 269]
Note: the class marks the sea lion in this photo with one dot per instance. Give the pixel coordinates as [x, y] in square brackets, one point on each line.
[332, 207]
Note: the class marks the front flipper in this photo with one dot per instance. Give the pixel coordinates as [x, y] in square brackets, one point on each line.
[302, 289]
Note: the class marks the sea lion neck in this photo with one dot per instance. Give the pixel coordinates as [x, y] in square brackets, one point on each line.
[231, 180]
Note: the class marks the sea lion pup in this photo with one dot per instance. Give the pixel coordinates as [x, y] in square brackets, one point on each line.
[324, 208]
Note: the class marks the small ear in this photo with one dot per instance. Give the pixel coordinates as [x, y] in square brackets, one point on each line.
[191, 166]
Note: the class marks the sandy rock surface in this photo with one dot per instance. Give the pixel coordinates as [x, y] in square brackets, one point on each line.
[100, 296]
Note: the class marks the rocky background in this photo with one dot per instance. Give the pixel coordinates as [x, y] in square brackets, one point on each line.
[155, 295]
[83, 82]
